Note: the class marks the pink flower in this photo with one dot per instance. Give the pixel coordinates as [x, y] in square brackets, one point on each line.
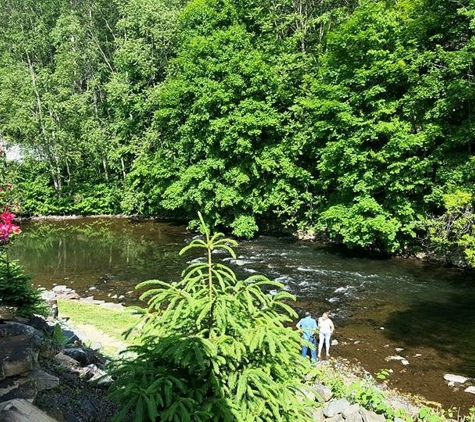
[7, 217]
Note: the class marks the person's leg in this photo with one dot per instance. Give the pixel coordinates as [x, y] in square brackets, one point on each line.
[327, 343]
[313, 350]
[321, 339]
[304, 350]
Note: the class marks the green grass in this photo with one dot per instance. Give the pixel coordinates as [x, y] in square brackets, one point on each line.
[111, 322]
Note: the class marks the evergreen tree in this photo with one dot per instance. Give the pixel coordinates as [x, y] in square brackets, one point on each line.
[213, 347]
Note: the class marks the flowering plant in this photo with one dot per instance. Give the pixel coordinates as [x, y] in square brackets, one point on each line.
[7, 227]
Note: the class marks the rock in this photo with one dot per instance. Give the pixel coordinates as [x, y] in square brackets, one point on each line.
[354, 417]
[354, 408]
[72, 295]
[20, 348]
[66, 361]
[455, 378]
[334, 342]
[324, 393]
[20, 410]
[26, 386]
[405, 362]
[335, 407]
[397, 357]
[318, 415]
[77, 353]
[369, 416]
[399, 349]
[337, 418]
[470, 390]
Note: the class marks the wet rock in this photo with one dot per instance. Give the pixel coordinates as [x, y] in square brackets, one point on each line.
[470, 390]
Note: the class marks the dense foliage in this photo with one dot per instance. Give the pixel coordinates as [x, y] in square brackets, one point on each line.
[349, 118]
[212, 347]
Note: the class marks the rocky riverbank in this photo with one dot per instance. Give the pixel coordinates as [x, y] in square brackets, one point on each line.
[44, 381]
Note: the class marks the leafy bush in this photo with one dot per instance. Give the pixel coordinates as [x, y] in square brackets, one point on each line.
[452, 235]
[16, 290]
[212, 347]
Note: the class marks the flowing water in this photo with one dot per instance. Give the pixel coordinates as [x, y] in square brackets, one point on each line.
[378, 305]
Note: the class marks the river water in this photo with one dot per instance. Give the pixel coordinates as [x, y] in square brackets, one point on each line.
[379, 306]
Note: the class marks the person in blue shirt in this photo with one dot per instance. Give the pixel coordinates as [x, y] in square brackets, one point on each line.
[308, 327]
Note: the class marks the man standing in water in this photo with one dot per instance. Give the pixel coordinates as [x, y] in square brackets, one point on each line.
[308, 326]
[326, 328]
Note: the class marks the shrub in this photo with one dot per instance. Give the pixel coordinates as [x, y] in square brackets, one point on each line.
[212, 347]
[16, 290]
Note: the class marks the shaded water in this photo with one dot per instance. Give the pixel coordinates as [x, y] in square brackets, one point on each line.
[377, 305]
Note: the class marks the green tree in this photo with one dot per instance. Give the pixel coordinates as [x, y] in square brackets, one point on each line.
[452, 234]
[212, 347]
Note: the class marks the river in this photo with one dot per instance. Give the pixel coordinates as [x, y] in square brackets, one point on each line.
[378, 305]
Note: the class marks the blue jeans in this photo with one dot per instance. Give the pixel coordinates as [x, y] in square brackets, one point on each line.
[313, 350]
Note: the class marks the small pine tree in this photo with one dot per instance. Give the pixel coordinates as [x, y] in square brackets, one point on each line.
[16, 290]
[213, 348]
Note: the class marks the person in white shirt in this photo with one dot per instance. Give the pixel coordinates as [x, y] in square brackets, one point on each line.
[326, 328]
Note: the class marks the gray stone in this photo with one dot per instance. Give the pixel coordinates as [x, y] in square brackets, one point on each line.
[354, 417]
[354, 408]
[318, 415]
[336, 418]
[397, 357]
[334, 407]
[65, 361]
[470, 390]
[43, 380]
[324, 393]
[19, 410]
[20, 345]
[77, 353]
[27, 386]
[369, 416]
[455, 378]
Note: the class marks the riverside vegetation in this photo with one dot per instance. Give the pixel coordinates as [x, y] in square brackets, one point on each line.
[349, 119]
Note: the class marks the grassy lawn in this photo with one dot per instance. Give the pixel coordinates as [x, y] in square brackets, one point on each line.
[110, 321]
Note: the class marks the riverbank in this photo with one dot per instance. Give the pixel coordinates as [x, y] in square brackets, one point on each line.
[102, 323]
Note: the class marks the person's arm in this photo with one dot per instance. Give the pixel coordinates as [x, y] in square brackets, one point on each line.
[332, 327]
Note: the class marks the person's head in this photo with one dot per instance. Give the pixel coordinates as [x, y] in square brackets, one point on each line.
[307, 314]
[326, 315]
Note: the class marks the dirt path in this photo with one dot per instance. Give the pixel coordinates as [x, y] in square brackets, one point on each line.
[91, 334]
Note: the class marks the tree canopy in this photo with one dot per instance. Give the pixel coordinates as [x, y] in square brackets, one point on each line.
[349, 118]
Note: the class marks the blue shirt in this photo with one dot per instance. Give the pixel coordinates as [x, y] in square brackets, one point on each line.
[308, 326]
